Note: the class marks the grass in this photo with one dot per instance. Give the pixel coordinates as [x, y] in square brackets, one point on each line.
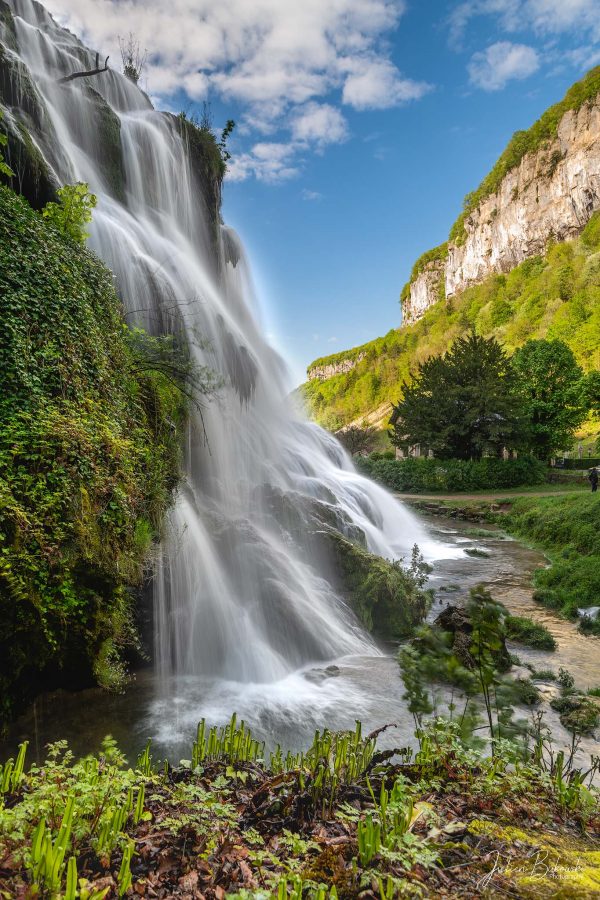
[568, 529]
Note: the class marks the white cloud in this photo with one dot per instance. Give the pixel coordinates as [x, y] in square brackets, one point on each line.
[584, 57]
[554, 16]
[283, 64]
[377, 84]
[311, 195]
[542, 16]
[320, 124]
[500, 63]
[269, 162]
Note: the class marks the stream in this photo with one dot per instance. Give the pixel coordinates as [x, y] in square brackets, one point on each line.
[332, 695]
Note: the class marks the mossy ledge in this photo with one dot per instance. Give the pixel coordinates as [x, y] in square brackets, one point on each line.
[89, 457]
[386, 597]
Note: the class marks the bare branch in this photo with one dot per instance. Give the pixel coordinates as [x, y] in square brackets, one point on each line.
[89, 73]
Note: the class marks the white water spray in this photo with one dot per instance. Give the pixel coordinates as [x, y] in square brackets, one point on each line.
[245, 591]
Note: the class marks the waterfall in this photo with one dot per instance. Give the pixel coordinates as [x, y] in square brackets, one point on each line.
[244, 588]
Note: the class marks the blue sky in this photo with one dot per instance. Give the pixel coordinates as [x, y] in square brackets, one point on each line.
[361, 126]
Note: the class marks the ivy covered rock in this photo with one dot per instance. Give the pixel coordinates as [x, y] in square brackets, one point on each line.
[89, 456]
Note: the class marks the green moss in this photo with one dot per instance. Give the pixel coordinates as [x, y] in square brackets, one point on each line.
[526, 631]
[548, 865]
[7, 26]
[523, 142]
[32, 177]
[385, 596]
[104, 143]
[207, 165]
[88, 460]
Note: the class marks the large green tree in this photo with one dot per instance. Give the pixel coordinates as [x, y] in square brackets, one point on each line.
[553, 392]
[463, 404]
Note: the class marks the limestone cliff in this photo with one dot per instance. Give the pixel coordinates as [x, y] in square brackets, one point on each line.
[549, 194]
[322, 373]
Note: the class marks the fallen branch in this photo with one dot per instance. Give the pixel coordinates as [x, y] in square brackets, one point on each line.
[96, 71]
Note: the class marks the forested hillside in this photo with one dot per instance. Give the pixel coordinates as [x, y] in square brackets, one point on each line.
[556, 295]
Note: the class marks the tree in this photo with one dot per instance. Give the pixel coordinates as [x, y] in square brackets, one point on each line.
[357, 440]
[461, 405]
[133, 60]
[592, 392]
[553, 394]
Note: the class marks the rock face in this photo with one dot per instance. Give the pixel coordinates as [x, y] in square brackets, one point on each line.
[322, 373]
[427, 288]
[550, 195]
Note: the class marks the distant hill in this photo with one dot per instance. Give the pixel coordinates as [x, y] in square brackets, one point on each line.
[522, 261]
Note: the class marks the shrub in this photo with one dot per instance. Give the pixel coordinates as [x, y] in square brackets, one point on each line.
[430, 475]
[577, 713]
[526, 692]
[526, 631]
[73, 211]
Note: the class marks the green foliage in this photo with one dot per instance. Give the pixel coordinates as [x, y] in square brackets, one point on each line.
[591, 388]
[5, 169]
[232, 744]
[525, 692]
[577, 713]
[72, 212]
[568, 529]
[203, 144]
[12, 771]
[461, 405]
[89, 455]
[424, 475]
[523, 142]
[524, 304]
[553, 394]
[95, 826]
[526, 631]
[443, 667]
[225, 135]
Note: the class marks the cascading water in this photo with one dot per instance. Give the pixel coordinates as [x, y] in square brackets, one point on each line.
[244, 591]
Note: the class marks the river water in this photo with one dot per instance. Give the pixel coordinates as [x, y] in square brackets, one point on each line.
[367, 687]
